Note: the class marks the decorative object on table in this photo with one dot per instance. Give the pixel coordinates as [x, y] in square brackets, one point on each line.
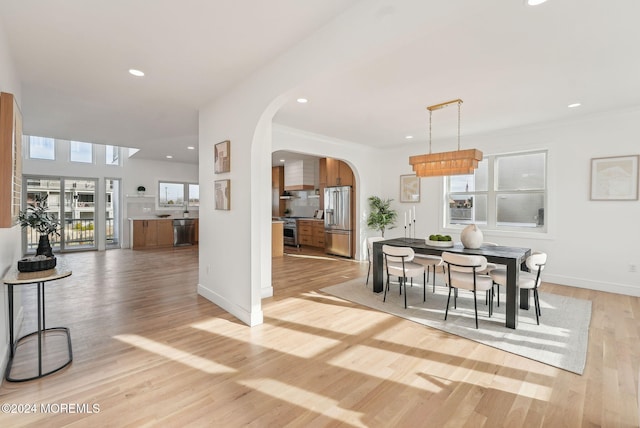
[36, 263]
[471, 237]
[222, 157]
[409, 188]
[37, 217]
[439, 241]
[141, 190]
[614, 178]
[457, 162]
[382, 216]
[222, 189]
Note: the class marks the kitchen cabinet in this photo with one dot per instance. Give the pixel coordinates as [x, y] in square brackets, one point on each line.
[334, 172]
[277, 187]
[337, 173]
[152, 234]
[311, 233]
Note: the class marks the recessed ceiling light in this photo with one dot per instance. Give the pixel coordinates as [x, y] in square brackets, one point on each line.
[302, 100]
[408, 137]
[169, 157]
[535, 2]
[135, 72]
[191, 148]
[574, 105]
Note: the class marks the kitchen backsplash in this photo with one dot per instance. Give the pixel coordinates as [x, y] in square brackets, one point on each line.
[303, 203]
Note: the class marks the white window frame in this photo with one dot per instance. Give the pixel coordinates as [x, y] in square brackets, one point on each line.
[185, 193]
[492, 196]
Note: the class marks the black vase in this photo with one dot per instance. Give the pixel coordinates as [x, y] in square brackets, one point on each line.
[44, 247]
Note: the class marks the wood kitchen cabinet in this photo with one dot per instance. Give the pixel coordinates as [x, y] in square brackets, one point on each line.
[311, 233]
[277, 187]
[152, 234]
[335, 173]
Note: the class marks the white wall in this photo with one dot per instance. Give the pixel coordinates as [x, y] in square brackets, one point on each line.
[235, 255]
[590, 243]
[9, 237]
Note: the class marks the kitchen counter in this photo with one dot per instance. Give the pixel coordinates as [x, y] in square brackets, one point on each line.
[153, 217]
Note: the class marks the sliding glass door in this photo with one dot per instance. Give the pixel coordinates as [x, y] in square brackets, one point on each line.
[73, 202]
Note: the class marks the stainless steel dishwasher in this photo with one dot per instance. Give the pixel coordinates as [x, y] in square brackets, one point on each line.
[184, 232]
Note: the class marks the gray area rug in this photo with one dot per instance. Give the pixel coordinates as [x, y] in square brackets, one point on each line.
[560, 340]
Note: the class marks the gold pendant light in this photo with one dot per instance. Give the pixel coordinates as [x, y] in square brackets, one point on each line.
[458, 162]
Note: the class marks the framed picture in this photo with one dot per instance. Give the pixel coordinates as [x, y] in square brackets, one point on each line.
[222, 191]
[614, 178]
[222, 157]
[409, 188]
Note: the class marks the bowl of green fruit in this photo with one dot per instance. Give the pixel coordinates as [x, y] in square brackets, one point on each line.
[439, 241]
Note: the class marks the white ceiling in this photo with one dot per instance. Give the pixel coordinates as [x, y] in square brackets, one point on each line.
[513, 65]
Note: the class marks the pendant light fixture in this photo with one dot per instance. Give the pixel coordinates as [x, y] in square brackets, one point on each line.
[458, 162]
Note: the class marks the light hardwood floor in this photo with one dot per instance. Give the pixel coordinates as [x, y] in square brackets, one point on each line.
[148, 351]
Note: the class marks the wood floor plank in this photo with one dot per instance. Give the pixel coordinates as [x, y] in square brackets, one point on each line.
[150, 352]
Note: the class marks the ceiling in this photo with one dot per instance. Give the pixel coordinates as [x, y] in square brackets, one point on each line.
[512, 64]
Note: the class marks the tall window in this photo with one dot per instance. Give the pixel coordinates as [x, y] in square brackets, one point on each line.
[172, 194]
[506, 192]
[112, 155]
[42, 148]
[80, 152]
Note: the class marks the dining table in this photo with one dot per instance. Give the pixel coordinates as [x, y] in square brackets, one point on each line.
[513, 258]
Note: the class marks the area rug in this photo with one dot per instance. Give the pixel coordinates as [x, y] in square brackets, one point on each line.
[560, 340]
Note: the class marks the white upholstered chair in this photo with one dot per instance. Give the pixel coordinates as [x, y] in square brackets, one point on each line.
[370, 241]
[430, 263]
[399, 262]
[530, 280]
[462, 273]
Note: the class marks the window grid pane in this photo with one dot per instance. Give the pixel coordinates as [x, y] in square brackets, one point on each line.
[81, 152]
[42, 148]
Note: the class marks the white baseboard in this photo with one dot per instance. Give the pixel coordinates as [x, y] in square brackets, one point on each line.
[266, 292]
[608, 287]
[247, 317]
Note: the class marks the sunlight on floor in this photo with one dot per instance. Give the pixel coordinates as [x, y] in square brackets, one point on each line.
[174, 354]
[280, 339]
[305, 256]
[313, 402]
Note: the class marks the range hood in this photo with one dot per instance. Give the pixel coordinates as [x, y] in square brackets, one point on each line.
[300, 175]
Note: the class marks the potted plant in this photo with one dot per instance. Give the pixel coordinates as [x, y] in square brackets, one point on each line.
[38, 218]
[382, 216]
[141, 190]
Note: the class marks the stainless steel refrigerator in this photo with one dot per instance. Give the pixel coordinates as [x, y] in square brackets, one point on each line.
[337, 220]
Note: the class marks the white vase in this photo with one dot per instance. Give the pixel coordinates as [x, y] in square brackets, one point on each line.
[471, 237]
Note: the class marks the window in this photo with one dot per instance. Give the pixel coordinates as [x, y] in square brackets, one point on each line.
[42, 148]
[171, 194]
[506, 192]
[81, 152]
[112, 155]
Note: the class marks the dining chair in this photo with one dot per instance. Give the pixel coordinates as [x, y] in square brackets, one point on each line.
[370, 241]
[462, 273]
[489, 268]
[529, 280]
[430, 263]
[399, 262]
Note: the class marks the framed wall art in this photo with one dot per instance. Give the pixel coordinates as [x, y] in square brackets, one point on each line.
[222, 191]
[222, 157]
[409, 188]
[614, 178]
